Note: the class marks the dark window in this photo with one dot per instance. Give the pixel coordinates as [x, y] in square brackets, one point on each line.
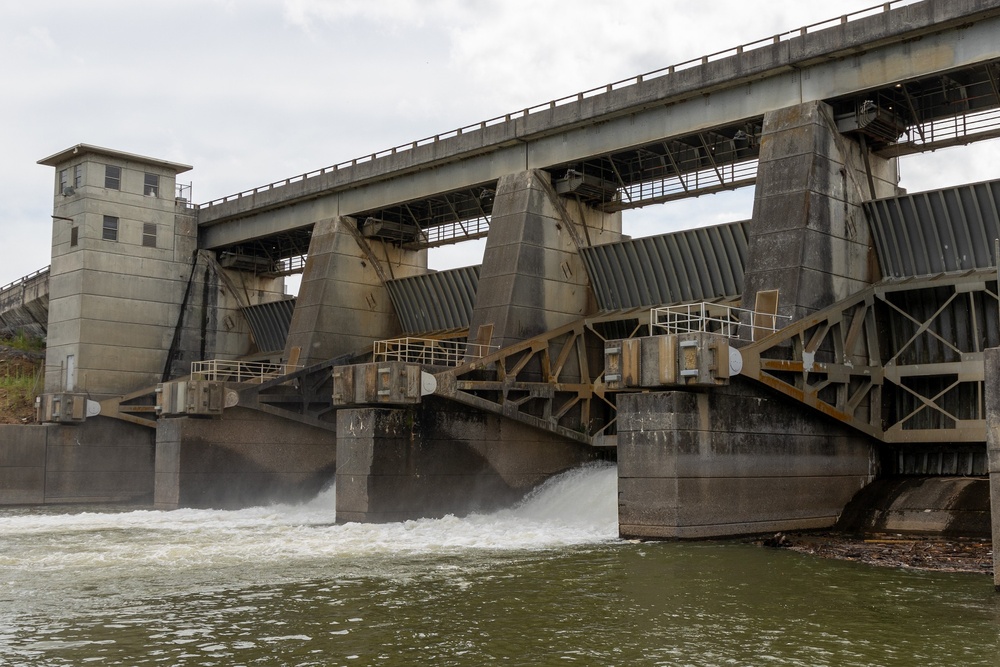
[149, 234]
[151, 185]
[74, 236]
[110, 232]
[63, 180]
[77, 175]
[112, 177]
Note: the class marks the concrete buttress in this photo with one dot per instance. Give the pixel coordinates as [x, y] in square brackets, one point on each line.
[533, 279]
[343, 305]
[809, 238]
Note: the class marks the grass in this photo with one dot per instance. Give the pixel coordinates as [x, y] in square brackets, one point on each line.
[24, 342]
[20, 377]
[17, 393]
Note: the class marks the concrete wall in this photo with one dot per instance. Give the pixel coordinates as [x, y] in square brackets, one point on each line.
[532, 278]
[732, 461]
[343, 305]
[102, 460]
[439, 458]
[809, 237]
[242, 459]
[958, 506]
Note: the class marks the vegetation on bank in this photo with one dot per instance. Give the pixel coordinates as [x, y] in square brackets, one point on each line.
[22, 360]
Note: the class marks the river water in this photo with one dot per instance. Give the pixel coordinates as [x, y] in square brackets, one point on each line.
[545, 583]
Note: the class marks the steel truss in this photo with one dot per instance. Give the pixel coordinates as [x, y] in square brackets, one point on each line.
[554, 382]
[304, 396]
[901, 361]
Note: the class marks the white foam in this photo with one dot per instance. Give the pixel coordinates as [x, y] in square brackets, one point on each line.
[578, 507]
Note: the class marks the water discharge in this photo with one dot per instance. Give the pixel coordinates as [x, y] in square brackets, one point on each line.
[545, 582]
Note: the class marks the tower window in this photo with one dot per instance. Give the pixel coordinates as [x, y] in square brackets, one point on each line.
[151, 185]
[149, 234]
[110, 231]
[74, 236]
[63, 180]
[112, 177]
[77, 175]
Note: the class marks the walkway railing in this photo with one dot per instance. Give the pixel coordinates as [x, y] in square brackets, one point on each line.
[250, 372]
[579, 97]
[430, 352]
[735, 323]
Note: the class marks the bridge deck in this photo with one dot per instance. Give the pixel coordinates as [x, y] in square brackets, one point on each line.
[639, 130]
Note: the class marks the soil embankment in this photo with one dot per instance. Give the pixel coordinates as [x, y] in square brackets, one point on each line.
[20, 372]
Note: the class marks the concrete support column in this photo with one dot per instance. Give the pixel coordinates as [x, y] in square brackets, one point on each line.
[809, 238]
[439, 458]
[533, 279]
[343, 305]
[241, 459]
[732, 461]
[993, 444]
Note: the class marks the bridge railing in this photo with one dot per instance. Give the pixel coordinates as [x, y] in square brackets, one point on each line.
[250, 372]
[578, 97]
[430, 352]
[736, 323]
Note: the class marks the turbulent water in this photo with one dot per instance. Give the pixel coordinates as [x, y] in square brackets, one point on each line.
[547, 582]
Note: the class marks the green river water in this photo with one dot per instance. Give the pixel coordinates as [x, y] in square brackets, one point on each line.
[547, 583]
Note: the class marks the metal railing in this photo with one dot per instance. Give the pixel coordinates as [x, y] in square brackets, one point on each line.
[451, 232]
[250, 372]
[430, 352]
[578, 97]
[736, 323]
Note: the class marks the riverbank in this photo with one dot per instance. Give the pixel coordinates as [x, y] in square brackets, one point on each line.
[920, 552]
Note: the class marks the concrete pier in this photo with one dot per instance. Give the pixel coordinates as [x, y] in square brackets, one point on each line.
[244, 458]
[993, 445]
[732, 461]
[438, 458]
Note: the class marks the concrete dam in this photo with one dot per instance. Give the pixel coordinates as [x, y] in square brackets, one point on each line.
[748, 377]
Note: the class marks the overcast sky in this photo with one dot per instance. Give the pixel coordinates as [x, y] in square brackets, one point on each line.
[254, 91]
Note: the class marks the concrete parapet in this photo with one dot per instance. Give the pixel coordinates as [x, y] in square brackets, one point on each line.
[439, 458]
[732, 461]
[242, 459]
